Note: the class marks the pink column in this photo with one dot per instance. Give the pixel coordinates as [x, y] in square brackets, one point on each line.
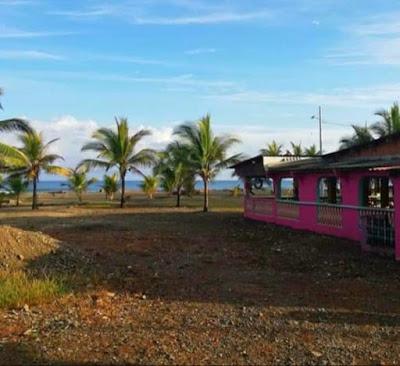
[308, 193]
[350, 185]
[396, 188]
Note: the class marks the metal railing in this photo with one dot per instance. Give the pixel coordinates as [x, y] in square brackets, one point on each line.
[288, 209]
[378, 227]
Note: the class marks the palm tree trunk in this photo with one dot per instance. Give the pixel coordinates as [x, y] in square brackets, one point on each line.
[122, 203]
[17, 203]
[205, 205]
[178, 197]
[34, 194]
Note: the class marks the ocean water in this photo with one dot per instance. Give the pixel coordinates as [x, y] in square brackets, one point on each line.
[131, 185]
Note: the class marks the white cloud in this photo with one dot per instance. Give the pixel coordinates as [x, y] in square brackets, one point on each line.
[6, 32]
[374, 41]
[212, 18]
[373, 96]
[28, 55]
[94, 12]
[199, 51]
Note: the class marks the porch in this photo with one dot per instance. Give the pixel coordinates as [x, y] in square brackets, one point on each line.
[361, 207]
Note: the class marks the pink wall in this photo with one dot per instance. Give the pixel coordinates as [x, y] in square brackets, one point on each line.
[308, 192]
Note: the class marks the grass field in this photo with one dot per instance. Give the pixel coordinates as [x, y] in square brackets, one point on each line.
[153, 284]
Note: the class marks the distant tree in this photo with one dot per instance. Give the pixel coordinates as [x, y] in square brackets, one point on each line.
[79, 182]
[117, 149]
[30, 159]
[189, 186]
[297, 149]
[390, 122]
[17, 185]
[361, 135]
[273, 149]
[110, 185]
[174, 169]
[149, 185]
[311, 151]
[208, 153]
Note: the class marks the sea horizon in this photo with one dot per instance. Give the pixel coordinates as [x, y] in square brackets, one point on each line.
[132, 185]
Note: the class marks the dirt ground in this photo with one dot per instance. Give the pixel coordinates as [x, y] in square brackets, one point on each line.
[176, 286]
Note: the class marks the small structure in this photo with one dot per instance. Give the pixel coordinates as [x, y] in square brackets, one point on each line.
[352, 193]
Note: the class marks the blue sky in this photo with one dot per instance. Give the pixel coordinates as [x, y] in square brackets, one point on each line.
[261, 68]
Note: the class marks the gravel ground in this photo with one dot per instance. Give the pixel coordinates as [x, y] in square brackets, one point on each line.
[167, 286]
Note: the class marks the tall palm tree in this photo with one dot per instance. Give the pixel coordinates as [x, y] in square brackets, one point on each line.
[117, 149]
[273, 149]
[311, 151]
[79, 182]
[208, 153]
[174, 169]
[31, 158]
[297, 149]
[110, 185]
[390, 122]
[361, 135]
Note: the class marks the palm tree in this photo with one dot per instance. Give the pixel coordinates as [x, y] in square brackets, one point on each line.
[174, 169]
[361, 135]
[311, 151]
[273, 149]
[117, 149]
[30, 159]
[13, 124]
[390, 121]
[297, 149]
[110, 185]
[208, 153]
[79, 182]
[17, 185]
[149, 185]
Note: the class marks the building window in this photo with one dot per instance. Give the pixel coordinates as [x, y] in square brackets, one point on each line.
[376, 192]
[330, 190]
[289, 189]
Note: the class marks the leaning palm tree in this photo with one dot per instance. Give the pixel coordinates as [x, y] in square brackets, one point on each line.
[117, 149]
[390, 122]
[31, 159]
[110, 185]
[174, 169]
[78, 181]
[208, 153]
[311, 151]
[297, 149]
[149, 185]
[13, 124]
[273, 149]
[17, 185]
[361, 135]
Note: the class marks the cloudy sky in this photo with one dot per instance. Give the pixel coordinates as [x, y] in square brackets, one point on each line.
[260, 67]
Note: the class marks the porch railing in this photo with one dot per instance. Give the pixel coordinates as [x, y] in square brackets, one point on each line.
[288, 209]
[330, 215]
[377, 226]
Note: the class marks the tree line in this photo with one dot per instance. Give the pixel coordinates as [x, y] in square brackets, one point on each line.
[196, 152]
[388, 124]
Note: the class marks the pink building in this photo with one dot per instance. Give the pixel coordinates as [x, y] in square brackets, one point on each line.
[351, 193]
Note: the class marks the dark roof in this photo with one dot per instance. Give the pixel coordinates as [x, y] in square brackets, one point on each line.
[321, 163]
[365, 146]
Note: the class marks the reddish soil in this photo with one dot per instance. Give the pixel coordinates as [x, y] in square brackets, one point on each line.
[167, 286]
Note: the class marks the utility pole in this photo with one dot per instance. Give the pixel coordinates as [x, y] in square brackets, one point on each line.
[320, 129]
